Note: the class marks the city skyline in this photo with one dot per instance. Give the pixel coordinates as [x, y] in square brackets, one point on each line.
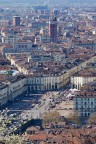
[47, 71]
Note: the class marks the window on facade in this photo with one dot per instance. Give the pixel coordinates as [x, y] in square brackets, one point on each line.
[81, 114]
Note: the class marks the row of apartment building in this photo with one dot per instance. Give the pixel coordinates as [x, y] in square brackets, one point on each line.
[49, 81]
[54, 81]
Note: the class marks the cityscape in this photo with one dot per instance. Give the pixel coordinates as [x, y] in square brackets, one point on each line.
[48, 72]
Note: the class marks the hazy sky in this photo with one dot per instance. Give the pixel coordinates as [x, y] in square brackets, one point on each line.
[88, 1]
[92, 2]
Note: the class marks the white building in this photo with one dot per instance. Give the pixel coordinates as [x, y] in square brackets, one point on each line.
[3, 94]
[83, 77]
[12, 88]
[17, 86]
[10, 38]
[44, 83]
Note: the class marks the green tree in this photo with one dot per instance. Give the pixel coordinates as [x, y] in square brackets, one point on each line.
[74, 117]
[49, 117]
[12, 140]
[92, 119]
